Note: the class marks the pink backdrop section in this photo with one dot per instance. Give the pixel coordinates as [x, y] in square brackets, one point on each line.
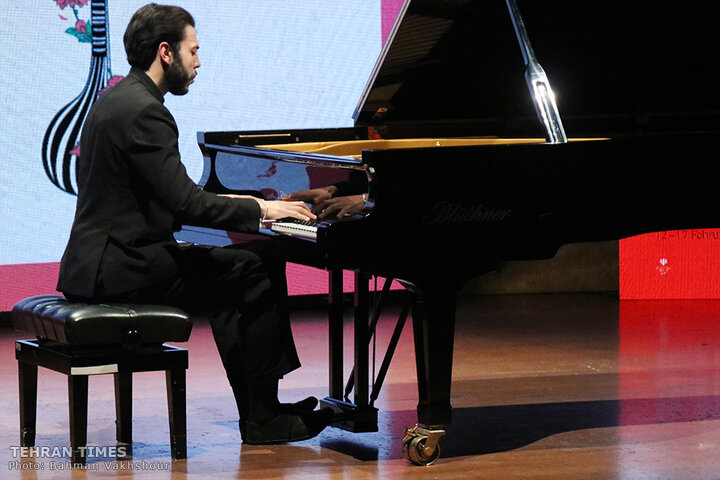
[21, 281]
[389, 10]
[26, 280]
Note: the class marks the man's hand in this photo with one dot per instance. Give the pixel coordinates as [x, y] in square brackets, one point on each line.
[340, 206]
[313, 195]
[277, 209]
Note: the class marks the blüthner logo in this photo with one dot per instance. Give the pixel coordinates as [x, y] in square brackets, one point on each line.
[448, 212]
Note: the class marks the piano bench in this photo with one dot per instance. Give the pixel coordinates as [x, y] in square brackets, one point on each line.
[80, 339]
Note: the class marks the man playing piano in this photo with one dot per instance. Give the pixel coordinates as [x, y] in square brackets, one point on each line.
[133, 193]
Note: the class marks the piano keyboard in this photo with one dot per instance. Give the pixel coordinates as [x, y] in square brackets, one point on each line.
[296, 228]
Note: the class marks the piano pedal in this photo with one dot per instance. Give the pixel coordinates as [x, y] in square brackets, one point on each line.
[421, 446]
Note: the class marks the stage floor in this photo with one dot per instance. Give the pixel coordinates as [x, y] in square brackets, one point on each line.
[574, 386]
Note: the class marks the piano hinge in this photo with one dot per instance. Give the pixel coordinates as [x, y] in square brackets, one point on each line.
[264, 135]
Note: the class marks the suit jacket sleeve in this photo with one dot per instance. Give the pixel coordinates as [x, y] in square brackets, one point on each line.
[154, 156]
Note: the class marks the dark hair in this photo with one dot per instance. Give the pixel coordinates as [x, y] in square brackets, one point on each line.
[149, 27]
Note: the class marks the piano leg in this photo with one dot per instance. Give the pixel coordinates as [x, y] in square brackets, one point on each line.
[362, 338]
[434, 332]
[335, 333]
[359, 415]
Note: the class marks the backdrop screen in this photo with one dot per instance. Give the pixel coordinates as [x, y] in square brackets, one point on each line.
[268, 64]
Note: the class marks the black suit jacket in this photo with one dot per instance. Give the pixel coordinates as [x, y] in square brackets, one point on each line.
[133, 193]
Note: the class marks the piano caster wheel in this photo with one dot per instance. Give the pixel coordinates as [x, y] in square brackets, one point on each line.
[421, 445]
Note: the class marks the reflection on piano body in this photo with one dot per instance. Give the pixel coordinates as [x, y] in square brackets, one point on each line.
[454, 194]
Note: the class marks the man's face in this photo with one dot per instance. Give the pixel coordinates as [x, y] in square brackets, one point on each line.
[181, 72]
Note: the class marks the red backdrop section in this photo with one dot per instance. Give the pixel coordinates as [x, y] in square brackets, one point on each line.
[678, 264]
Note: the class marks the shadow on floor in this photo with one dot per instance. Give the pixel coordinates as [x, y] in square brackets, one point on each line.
[484, 430]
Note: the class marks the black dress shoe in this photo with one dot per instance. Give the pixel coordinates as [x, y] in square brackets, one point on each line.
[286, 427]
[305, 405]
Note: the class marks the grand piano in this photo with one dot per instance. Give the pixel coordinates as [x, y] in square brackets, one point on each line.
[464, 169]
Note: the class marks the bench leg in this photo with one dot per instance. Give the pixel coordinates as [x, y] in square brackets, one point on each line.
[27, 380]
[123, 407]
[177, 412]
[78, 403]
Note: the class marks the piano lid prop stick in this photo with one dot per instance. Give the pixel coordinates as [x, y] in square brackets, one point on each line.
[540, 91]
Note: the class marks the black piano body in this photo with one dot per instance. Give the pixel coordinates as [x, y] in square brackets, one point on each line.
[459, 172]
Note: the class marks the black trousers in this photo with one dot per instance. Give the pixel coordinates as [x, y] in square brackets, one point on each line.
[243, 291]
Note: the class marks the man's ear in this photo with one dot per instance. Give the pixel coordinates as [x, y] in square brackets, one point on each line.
[165, 53]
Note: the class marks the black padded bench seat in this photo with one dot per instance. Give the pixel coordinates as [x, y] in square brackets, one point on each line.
[79, 340]
[53, 317]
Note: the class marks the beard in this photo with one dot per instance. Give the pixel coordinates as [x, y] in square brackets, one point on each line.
[176, 78]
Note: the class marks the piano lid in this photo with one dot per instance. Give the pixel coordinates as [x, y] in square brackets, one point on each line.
[614, 65]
